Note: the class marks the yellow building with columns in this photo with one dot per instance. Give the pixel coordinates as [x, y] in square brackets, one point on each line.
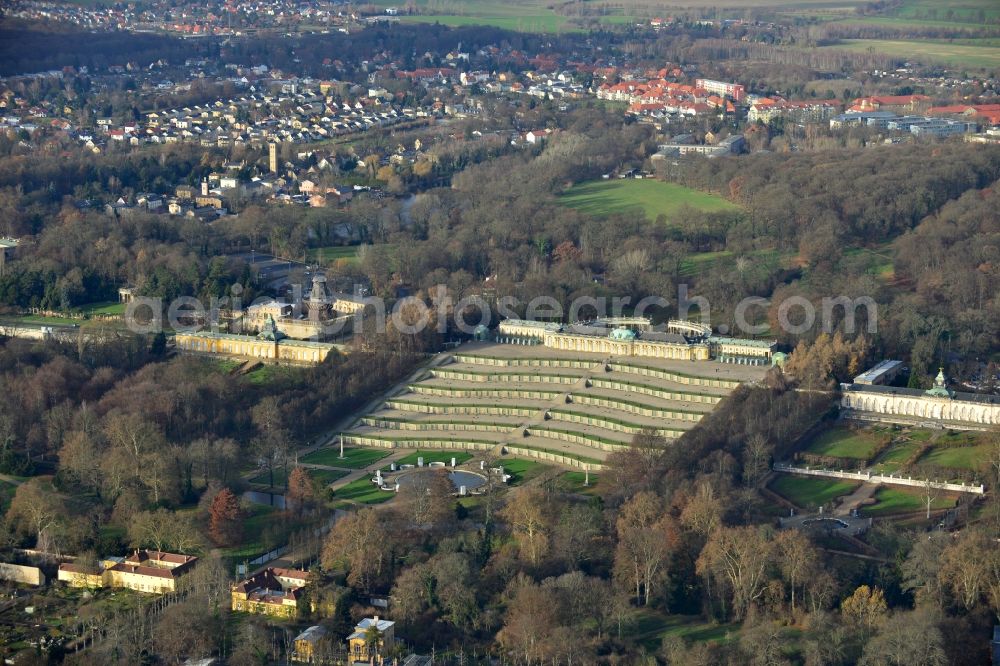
[635, 336]
[282, 350]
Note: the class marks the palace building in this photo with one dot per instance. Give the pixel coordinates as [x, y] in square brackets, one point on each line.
[270, 346]
[316, 317]
[938, 407]
[634, 336]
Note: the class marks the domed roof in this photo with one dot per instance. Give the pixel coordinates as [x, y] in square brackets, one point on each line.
[623, 333]
[940, 388]
[482, 328]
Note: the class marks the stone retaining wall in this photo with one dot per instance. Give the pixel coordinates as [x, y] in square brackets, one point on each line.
[890, 480]
[442, 391]
[469, 410]
[469, 376]
[665, 394]
[390, 424]
[676, 377]
[472, 359]
[632, 408]
[605, 423]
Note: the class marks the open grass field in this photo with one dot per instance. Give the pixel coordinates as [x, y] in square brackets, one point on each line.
[958, 457]
[808, 491]
[903, 500]
[573, 482]
[651, 197]
[902, 22]
[895, 456]
[353, 458]
[971, 54]
[878, 261]
[259, 518]
[843, 442]
[522, 470]
[649, 628]
[105, 308]
[944, 11]
[703, 263]
[38, 319]
[519, 15]
[268, 374]
[332, 253]
[363, 491]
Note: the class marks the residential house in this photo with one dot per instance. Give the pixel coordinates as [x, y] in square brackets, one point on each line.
[537, 136]
[273, 591]
[372, 637]
[144, 571]
[149, 571]
[305, 644]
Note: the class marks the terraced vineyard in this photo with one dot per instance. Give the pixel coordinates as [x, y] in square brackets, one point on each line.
[569, 408]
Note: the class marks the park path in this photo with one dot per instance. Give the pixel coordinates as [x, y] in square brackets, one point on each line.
[13, 480]
[856, 499]
[363, 472]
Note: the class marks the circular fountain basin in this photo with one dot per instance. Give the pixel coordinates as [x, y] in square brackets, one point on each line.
[458, 478]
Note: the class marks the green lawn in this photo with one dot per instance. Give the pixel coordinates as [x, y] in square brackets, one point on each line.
[809, 491]
[104, 308]
[259, 518]
[226, 365]
[519, 15]
[879, 260]
[896, 455]
[268, 374]
[649, 628]
[961, 10]
[900, 22]
[703, 263]
[958, 457]
[45, 321]
[572, 482]
[970, 54]
[843, 442]
[362, 491]
[435, 456]
[903, 500]
[651, 197]
[329, 254]
[521, 469]
[354, 458]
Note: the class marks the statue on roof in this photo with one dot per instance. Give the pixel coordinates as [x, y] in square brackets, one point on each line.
[270, 330]
[939, 390]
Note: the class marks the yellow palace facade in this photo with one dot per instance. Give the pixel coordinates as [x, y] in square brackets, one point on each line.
[298, 352]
